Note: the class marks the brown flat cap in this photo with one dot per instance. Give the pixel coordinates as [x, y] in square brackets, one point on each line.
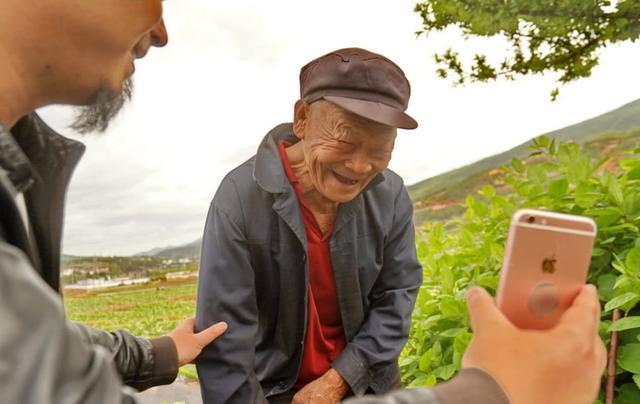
[362, 82]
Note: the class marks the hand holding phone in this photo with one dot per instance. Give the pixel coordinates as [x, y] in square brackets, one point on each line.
[546, 262]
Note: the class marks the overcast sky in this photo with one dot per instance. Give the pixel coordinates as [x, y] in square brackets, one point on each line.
[230, 73]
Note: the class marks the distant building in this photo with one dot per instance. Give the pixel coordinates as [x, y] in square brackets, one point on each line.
[68, 272]
[136, 273]
[102, 283]
[181, 275]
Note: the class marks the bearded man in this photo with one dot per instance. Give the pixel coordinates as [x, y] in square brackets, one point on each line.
[81, 53]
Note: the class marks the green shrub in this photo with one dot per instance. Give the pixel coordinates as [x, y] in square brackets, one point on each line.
[468, 251]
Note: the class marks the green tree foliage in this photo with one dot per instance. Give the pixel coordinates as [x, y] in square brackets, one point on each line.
[469, 251]
[562, 36]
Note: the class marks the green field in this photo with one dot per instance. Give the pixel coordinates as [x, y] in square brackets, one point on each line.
[149, 310]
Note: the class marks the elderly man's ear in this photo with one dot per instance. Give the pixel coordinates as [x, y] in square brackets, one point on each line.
[300, 118]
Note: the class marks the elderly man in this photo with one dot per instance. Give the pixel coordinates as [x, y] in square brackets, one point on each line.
[73, 52]
[308, 251]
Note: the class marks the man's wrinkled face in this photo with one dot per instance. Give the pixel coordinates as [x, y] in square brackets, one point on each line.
[343, 152]
[115, 33]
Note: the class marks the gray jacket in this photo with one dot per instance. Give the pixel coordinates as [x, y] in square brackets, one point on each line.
[43, 356]
[469, 386]
[254, 276]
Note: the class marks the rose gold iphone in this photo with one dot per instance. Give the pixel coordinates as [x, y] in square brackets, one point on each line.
[545, 264]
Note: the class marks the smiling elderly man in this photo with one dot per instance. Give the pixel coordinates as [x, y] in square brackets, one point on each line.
[308, 251]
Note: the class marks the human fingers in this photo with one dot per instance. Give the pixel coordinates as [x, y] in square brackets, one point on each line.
[206, 336]
[583, 315]
[483, 313]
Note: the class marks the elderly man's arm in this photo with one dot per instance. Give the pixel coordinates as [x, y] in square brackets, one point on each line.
[44, 358]
[386, 329]
[226, 291]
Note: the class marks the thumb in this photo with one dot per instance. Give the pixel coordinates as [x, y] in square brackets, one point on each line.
[483, 313]
[206, 336]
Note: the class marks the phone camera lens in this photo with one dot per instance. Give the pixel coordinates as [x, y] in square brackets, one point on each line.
[531, 219]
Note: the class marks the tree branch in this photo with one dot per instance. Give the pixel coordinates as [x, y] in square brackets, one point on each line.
[611, 366]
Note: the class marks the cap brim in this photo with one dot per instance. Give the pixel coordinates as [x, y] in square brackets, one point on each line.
[375, 111]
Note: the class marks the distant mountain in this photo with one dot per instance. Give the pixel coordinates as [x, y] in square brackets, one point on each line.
[183, 251]
[152, 252]
[621, 120]
[66, 258]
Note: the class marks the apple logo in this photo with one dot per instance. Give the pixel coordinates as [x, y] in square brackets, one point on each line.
[549, 265]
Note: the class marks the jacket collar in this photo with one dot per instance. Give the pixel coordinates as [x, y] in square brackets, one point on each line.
[15, 163]
[52, 159]
[268, 171]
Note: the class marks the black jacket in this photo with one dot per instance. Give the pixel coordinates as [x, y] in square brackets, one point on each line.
[39, 162]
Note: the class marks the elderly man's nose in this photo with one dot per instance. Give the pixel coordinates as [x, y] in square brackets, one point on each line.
[159, 36]
[359, 165]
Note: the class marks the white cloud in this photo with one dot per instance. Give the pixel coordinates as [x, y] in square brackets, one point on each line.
[230, 73]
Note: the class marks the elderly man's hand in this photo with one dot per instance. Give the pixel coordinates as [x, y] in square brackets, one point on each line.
[189, 344]
[327, 389]
[561, 365]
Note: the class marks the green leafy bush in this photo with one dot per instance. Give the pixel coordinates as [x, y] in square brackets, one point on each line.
[468, 251]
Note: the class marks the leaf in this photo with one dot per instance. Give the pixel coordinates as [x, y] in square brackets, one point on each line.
[605, 286]
[615, 191]
[628, 393]
[451, 308]
[517, 165]
[445, 372]
[621, 300]
[552, 147]
[406, 361]
[452, 332]
[632, 261]
[425, 360]
[543, 140]
[629, 358]
[605, 216]
[636, 379]
[461, 342]
[626, 323]
[558, 188]
[634, 173]
[536, 174]
[488, 280]
[420, 381]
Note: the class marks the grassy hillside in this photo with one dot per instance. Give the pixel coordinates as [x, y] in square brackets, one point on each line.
[437, 197]
[621, 120]
[183, 251]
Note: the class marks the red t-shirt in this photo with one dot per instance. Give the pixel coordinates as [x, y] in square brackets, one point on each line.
[325, 336]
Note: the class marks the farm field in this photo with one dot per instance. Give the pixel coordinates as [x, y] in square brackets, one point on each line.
[149, 310]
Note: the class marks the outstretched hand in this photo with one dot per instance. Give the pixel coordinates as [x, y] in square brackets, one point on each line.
[189, 344]
[560, 365]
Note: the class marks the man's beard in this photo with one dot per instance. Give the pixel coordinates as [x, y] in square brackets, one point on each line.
[96, 117]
